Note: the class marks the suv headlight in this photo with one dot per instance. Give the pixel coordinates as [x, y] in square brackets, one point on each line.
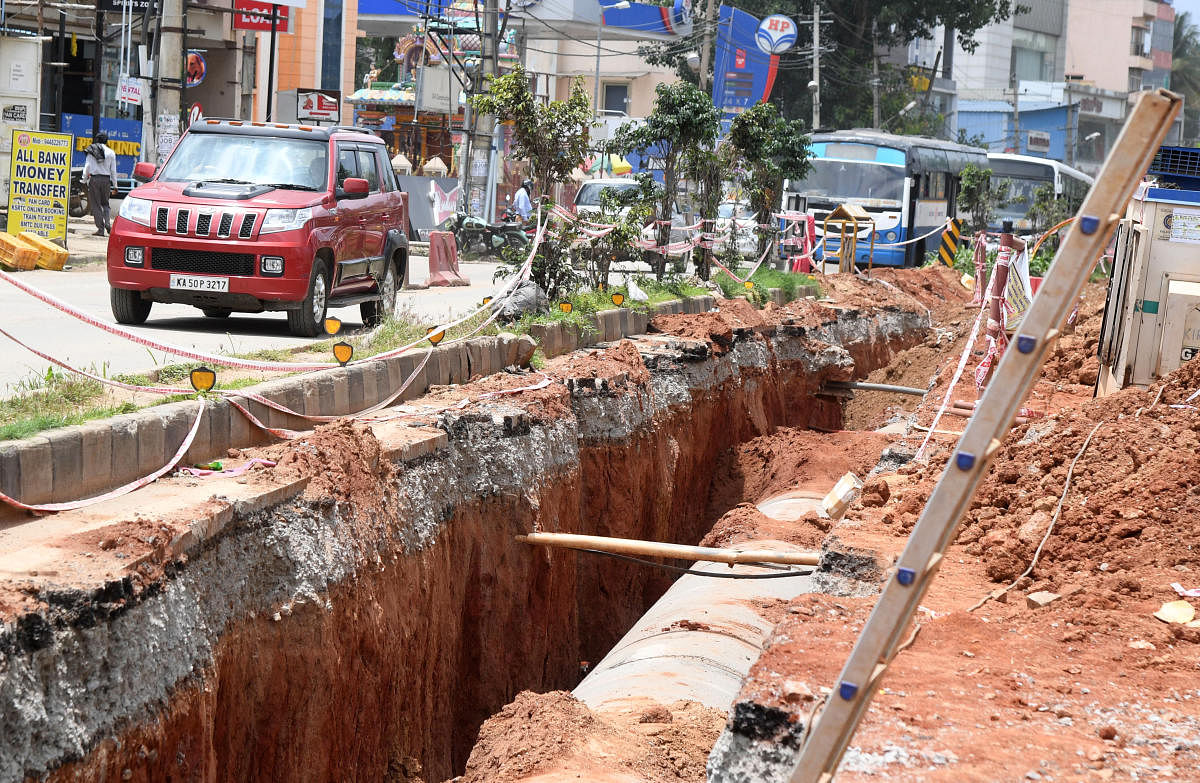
[278, 220]
[136, 209]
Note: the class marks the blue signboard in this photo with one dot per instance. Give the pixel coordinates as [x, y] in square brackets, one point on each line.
[743, 74]
[124, 138]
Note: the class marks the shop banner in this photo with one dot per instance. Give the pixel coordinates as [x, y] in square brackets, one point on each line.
[252, 15]
[39, 183]
[743, 74]
[124, 138]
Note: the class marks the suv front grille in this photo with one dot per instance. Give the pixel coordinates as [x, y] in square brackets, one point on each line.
[169, 259]
[206, 222]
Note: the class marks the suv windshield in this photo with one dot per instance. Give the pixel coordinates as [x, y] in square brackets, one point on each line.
[849, 179]
[257, 160]
[589, 194]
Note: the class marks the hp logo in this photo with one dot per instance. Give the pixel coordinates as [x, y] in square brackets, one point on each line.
[776, 34]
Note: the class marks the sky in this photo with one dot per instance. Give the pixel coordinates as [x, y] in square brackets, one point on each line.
[1191, 6]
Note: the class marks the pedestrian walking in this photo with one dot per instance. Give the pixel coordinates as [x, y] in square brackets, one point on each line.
[99, 174]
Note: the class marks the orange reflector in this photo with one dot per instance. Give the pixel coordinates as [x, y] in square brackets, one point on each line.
[749, 283]
[203, 379]
[566, 307]
[343, 352]
[333, 325]
[618, 299]
[435, 337]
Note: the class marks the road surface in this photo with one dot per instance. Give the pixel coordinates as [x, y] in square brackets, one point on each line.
[87, 347]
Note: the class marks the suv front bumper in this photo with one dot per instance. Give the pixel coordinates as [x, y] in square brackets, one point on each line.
[253, 292]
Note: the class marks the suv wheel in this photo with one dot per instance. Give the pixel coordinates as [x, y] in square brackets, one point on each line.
[128, 307]
[375, 311]
[309, 320]
[216, 312]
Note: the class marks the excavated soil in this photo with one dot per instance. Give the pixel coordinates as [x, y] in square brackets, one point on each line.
[539, 732]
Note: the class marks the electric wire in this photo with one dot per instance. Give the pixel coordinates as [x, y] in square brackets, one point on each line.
[713, 574]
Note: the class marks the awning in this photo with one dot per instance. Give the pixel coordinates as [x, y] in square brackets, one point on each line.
[613, 164]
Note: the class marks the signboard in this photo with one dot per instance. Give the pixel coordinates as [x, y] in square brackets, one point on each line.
[1184, 225]
[124, 138]
[15, 113]
[39, 183]
[197, 67]
[1038, 141]
[251, 15]
[438, 91]
[131, 90]
[195, 114]
[776, 34]
[139, 6]
[166, 130]
[318, 104]
[743, 73]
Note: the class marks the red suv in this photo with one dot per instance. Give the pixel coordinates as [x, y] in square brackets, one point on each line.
[251, 216]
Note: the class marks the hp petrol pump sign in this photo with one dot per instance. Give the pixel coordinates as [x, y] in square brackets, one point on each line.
[776, 34]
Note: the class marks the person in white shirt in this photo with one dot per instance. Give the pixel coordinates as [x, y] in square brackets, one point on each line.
[523, 202]
[99, 174]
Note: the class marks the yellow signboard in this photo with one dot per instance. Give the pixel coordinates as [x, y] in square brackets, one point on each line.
[39, 183]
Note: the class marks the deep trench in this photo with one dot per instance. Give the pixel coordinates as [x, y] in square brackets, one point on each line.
[390, 674]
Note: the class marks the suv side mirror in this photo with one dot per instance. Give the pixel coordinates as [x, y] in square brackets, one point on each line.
[144, 171]
[354, 187]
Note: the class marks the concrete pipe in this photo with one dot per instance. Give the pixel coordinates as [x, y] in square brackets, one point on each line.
[696, 643]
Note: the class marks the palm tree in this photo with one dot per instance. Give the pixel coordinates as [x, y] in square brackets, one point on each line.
[1185, 71]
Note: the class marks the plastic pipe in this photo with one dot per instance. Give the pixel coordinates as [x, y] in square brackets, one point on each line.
[629, 546]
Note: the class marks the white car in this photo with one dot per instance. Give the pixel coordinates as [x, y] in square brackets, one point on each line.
[736, 215]
[587, 200]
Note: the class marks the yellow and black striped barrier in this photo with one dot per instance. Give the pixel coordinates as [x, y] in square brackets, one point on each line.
[950, 242]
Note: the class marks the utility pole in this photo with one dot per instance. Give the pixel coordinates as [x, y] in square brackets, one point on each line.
[1016, 119]
[710, 18]
[271, 63]
[170, 50]
[97, 75]
[875, 114]
[1072, 126]
[816, 79]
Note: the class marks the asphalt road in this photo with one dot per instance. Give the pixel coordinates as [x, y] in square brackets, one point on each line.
[87, 347]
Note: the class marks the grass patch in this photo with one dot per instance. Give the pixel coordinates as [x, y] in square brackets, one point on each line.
[765, 278]
[56, 399]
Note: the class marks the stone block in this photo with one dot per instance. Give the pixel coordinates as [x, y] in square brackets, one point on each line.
[36, 458]
[177, 421]
[202, 446]
[220, 427]
[509, 348]
[10, 469]
[639, 322]
[96, 452]
[240, 429]
[525, 350]
[1041, 598]
[355, 389]
[151, 442]
[408, 364]
[66, 450]
[608, 326]
[341, 392]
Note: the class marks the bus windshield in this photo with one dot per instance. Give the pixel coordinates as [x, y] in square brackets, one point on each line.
[1019, 195]
[845, 179]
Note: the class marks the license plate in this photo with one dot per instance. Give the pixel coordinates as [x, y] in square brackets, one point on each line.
[197, 283]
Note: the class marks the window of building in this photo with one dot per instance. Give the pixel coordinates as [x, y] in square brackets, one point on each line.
[1135, 79]
[331, 46]
[616, 99]
[1138, 44]
[1033, 55]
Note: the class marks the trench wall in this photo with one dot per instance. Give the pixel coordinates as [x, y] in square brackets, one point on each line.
[70, 463]
[366, 631]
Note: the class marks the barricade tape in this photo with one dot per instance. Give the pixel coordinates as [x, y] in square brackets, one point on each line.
[122, 490]
[231, 397]
[958, 371]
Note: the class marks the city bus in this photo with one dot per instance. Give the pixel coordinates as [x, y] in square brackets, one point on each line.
[1024, 175]
[909, 185]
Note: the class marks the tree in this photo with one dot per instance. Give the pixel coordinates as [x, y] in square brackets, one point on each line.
[978, 197]
[846, 71]
[703, 169]
[627, 211]
[553, 137]
[1185, 71]
[683, 119]
[772, 149]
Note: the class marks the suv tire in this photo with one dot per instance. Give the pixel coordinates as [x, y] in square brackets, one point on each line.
[216, 312]
[375, 311]
[309, 319]
[128, 307]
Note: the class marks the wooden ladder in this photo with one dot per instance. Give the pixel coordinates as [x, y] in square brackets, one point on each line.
[909, 580]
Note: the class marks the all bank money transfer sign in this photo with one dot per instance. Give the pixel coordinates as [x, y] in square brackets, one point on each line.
[39, 183]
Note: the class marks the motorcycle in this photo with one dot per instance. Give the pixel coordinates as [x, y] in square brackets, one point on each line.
[475, 234]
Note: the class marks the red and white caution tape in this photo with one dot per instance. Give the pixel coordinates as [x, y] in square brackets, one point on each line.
[958, 371]
[122, 490]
